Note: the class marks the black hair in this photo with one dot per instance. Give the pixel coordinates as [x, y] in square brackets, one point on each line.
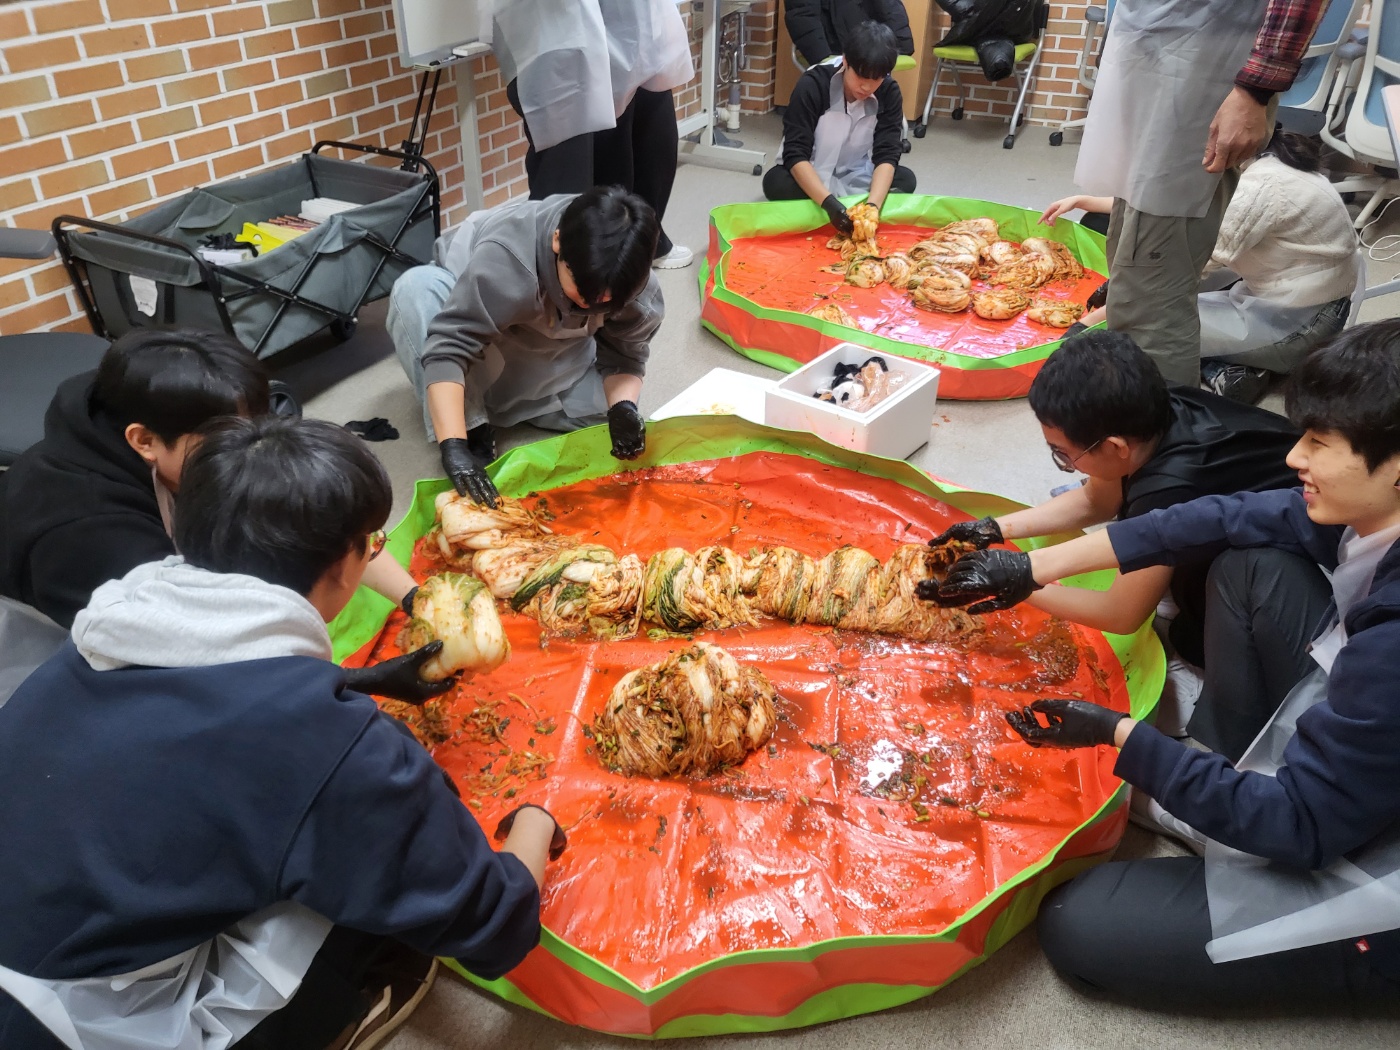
[1100, 384]
[173, 381]
[279, 499]
[607, 239]
[871, 50]
[1297, 151]
[1351, 386]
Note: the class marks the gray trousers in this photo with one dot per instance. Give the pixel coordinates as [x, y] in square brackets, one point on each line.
[1263, 607]
[1155, 262]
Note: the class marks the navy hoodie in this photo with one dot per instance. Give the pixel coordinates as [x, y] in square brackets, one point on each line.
[1339, 786]
[145, 810]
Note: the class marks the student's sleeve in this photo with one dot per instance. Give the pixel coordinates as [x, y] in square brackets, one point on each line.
[1339, 786]
[70, 562]
[808, 102]
[495, 292]
[386, 848]
[893, 14]
[804, 25]
[1202, 528]
[624, 340]
[889, 125]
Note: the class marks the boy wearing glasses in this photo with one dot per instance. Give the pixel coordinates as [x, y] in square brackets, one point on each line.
[1106, 412]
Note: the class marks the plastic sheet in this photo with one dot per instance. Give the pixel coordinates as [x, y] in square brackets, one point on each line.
[764, 272]
[751, 900]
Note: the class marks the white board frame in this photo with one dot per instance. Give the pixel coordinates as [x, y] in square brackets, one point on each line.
[429, 31]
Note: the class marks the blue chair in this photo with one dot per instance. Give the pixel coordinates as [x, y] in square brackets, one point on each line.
[1302, 106]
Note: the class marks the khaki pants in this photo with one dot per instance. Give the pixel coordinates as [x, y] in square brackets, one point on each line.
[1155, 262]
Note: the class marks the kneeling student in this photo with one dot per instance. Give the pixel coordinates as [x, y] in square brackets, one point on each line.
[205, 830]
[1293, 903]
[537, 312]
[1106, 411]
[842, 130]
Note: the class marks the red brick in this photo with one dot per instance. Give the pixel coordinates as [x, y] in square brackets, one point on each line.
[314, 34]
[51, 119]
[54, 18]
[101, 76]
[276, 96]
[296, 142]
[348, 54]
[153, 67]
[278, 42]
[242, 18]
[222, 110]
[285, 11]
[369, 73]
[123, 10]
[31, 91]
[17, 194]
[125, 103]
[180, 30]
[232, 165]
[43, 54]
[13, 24]
[258, 129]
[118, 198]
[36, 316]
[167, 122]
[149, 158]
[310, 113]
[299, 64]
[326, 8]
[102, 140]
[212, 56]
[181, 179]
[247, 76]
[353, 101]
[364, 25]
[335, 130]
[33, 156]
[203, 143]
[188, 89]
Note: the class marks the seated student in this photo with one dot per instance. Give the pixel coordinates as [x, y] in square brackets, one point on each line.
[227, 837]
[95, 497]
[537, 312]
[1282, 274]
[1105, 411]
[842, 128]
[821, 29]
[1272, 915]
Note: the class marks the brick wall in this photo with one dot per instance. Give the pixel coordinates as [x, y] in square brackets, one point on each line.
[109, 107]
[1057, 95]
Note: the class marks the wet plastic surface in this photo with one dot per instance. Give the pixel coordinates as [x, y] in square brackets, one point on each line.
[785, 271]
[892, 798]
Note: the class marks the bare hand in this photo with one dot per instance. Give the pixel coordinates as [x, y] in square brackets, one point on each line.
[1052, 214]
[1238, 132]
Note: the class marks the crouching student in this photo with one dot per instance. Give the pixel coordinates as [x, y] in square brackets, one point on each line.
[96, 496]
[209, 838]
[1106, 411]
[536, 312]
[1294, 902]
[842, 130]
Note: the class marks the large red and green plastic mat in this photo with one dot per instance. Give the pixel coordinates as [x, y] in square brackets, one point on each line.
[762, 273]
[775, 987]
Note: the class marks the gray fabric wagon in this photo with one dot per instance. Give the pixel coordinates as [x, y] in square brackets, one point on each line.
[147, 271]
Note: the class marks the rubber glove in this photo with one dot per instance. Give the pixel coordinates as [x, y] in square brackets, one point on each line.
[627, 429]
[836, 211]
[467, 477]
[557, 844]
[481, 442]
[1072, 723]
[982, 533]
[406, 604]
[992, 579]
[398, 679]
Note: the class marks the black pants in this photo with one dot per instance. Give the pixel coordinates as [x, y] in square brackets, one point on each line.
[332, 995]
[1137, 930]
[779, 185]
[1263, 607]
[639, 154]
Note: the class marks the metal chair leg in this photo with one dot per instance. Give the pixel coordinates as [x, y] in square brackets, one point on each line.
[957, 113]
[922, 125]
[1024, 80]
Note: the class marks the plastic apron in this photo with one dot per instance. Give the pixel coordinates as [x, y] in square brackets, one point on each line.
[648, 47]
[551, 372]
[1167, 66]
[557, 53]
[206, 998]
[1258, 906]
[843, 140]
[27, 639]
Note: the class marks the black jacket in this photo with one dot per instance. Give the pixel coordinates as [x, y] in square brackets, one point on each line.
[820, 28]
[811, 97]
[76, 510]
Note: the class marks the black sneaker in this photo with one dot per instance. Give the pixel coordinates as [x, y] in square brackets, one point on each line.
[1237, 382]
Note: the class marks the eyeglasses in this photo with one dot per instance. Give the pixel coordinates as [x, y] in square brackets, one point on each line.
[1066, 462]
[377, 539]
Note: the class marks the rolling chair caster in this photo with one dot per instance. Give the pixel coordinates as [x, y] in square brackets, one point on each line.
[1008, 142]
[920, 130]
[958, 113]
[1057, 138]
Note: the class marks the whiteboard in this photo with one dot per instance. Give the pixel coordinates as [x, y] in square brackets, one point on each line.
[428, 30]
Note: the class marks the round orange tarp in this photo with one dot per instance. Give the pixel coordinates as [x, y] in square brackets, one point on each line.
[893, 797]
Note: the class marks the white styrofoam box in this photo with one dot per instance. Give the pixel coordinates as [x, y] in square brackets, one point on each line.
[895, 428]
[719, 392]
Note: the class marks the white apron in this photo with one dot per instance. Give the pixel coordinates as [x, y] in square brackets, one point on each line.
[647, 47]
[843, 140]
[1167, 66]
[1257, 906]
[206, 998]
[557, 53]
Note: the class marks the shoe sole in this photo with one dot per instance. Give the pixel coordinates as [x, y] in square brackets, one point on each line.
[394, 1023]
[674, 265]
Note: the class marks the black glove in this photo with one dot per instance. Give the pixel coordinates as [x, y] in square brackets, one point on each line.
[994, 579]
[398, 679]
[407, 603]
[836, 212]
[467, 477]
[1073, 723]
[481, 443]
[982, 533]
[557, 844]
[627, 429]
[1098, 297]
[1075, 329]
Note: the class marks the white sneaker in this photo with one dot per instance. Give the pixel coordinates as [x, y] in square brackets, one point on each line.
[1180, 692]
[1146, 813]
[677, 258]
